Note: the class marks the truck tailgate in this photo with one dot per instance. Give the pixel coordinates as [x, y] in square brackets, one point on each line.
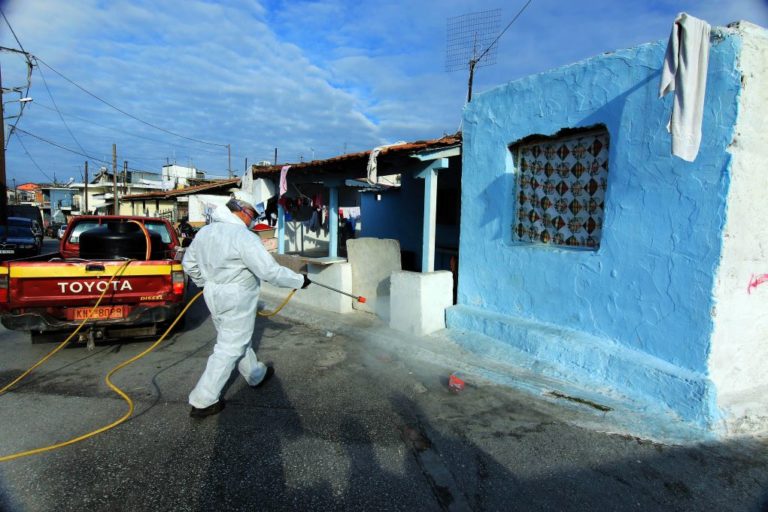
[81, 283]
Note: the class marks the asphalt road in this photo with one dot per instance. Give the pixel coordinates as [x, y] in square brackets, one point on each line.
[346, 424]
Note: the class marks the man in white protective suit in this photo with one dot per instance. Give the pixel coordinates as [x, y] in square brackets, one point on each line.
[229, 262]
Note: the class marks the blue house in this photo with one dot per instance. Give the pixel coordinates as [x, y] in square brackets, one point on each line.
[592, 252]
[57, 203]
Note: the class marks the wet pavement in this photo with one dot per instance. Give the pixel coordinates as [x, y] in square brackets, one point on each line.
[349, 422]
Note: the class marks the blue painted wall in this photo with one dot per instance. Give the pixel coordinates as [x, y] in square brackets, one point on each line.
[61, 199]
[643, 300]
[398, 215]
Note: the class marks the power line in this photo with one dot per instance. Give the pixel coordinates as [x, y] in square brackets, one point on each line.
[150, 139]
[12, 31]
[39, 70]
[29, 78]
[76, 152]
[39, 60]
[30, 157]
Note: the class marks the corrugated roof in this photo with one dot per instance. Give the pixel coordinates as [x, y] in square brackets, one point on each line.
[167, 194]
[353, 164]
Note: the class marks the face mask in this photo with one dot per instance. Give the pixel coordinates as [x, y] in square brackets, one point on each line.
[252, 223]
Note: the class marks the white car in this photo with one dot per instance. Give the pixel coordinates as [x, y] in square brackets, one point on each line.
[60, 233]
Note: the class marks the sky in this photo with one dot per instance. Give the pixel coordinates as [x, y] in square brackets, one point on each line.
[314, 79]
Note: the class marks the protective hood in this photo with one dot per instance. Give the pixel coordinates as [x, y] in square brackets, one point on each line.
[222, 214]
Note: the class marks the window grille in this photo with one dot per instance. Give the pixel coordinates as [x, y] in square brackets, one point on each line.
[561, 183]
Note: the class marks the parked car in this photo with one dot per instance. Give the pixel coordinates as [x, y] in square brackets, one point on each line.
[60, 233]
[18, 239]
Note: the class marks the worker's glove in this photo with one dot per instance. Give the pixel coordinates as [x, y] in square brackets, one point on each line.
[307, 282]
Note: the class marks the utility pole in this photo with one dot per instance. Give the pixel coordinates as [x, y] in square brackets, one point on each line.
[229, 160]
[85, 192]
[275, 163]
[15, 192]
[115, 209]
[125, 177]
[4, 193]
[246, 165]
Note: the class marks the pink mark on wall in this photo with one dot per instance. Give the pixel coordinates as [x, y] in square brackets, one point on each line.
[756, 281]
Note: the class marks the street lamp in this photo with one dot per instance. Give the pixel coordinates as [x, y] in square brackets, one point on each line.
[25, 99]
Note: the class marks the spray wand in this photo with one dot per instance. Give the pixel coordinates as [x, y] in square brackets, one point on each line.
[358, 298]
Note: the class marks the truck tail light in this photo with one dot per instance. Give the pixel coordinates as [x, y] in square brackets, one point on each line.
[177, 281]
[3, 287]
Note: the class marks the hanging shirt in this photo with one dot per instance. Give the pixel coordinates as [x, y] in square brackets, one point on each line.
[685, 73]
[284, 179]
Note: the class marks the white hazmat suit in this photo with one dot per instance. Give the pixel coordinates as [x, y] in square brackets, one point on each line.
[229, 261]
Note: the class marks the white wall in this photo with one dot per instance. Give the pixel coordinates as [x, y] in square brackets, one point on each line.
[198, 203]
[300, 239]
[738, 362]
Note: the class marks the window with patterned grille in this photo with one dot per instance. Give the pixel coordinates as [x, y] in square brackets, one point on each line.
[561, 183]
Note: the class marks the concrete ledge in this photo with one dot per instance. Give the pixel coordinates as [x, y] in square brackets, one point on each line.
[337, 275]
[373, 260]
[577, 357]
[418, 301]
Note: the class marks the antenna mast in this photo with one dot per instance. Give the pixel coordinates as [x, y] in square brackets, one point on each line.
[472, 42]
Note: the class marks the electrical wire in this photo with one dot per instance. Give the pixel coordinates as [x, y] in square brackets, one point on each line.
[39, 60]
[505, 29]
[77, 152]
[24, 147]
[12, 31]
[150, 139]
[30, 65]
[50, 95]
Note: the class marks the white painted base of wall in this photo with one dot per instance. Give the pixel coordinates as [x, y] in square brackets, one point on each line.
[418, 301]
[337, 275]
[373, 260]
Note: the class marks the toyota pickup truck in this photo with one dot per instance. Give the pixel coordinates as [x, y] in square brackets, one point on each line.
[50, 294]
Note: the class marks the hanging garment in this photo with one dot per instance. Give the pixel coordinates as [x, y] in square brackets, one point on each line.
[685, 73]
[314, 222]
[325, 220]
[229, 262]
[284, 179]
[373, 167]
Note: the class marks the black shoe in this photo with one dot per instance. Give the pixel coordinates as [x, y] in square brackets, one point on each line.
[207, 411]
[267, 376]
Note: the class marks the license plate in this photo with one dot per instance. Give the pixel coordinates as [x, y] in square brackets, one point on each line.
[7, 251]
[101, 313]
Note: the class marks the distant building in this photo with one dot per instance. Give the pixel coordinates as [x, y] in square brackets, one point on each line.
[100, 189]
[177, 176]
[58, 202]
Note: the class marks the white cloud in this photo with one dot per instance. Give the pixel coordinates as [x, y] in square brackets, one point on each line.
[294, 75]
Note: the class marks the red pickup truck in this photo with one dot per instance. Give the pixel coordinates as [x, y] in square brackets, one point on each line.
[50, 294]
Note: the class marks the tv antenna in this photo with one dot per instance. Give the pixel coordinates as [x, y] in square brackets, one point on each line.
[471, 42]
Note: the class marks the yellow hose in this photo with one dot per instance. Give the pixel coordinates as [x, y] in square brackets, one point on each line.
[69, 338]
[268, 314]
[108, 380]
